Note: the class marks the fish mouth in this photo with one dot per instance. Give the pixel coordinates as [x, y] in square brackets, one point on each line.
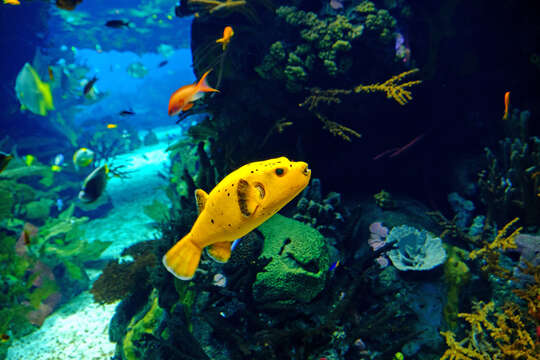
[306, 171]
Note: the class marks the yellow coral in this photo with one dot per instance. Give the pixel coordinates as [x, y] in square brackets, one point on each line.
[337, 129]
[507, 338]
[457, 351]
[328, 96]
[490, 254]
[456, 275]
[392, 88]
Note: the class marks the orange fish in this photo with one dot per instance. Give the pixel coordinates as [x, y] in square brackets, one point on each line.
[226, 39]
[183, 98]
[12, 2]
[112, 126]
[506, 104]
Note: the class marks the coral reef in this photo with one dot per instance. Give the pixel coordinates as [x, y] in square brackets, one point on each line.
[508, 187]
[490, 252]
[456, 275]
[392, 88]
[492, 335]
[118, 280]
[384, 200]
[146, 322]
[326, 214]
[297, 271]
[416, 250]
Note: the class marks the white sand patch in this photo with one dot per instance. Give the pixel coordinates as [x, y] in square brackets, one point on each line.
[79, 330]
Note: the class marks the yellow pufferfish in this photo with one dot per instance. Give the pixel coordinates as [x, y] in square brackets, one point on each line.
[242, 201]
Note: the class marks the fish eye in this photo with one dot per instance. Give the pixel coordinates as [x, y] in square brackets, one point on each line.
[280, 172]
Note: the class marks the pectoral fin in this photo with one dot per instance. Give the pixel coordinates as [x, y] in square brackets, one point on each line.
[200, 197]
[220, 252]
[188, 106]
[247, 198]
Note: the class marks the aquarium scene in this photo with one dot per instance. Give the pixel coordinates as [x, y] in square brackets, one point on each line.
[269, 180]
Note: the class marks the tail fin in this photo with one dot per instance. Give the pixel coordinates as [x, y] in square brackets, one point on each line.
[203, 86]
[183, 258]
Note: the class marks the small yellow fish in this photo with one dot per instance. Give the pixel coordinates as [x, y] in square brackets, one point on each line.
[12, 2]
[29, 159]
[112, 126]
[243, 200]
[33, 94]
[228, 33]
[83, 157]
[56, 168]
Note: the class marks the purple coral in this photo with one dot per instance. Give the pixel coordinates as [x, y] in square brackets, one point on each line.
[378, 234]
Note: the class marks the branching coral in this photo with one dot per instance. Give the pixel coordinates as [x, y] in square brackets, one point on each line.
[329, 96]
[393, 88]
[492, 335]
[490, 252]
[451, 230]
[507, 186]
[500, 333]
[337, 129]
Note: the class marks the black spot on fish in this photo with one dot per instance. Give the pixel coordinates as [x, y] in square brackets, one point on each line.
[212, 221]
[229, 224]
[228, 194]
[252, 171]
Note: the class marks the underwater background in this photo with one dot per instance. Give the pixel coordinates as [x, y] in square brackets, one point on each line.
[146, 148]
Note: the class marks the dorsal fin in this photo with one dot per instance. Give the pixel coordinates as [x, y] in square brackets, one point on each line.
[247, 201]
[200, 197]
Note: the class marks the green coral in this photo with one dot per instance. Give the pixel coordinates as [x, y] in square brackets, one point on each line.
[365, 7]
[146, 322]
[187, 294]
[325, 42]
[271, 65]
[300, 262]
[381, 23]
[38, 210]
[456, 275]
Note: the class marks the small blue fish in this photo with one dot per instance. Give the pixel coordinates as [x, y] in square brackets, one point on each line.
[333, 266]
[59, 204]
[235, 243]
[58, 159]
